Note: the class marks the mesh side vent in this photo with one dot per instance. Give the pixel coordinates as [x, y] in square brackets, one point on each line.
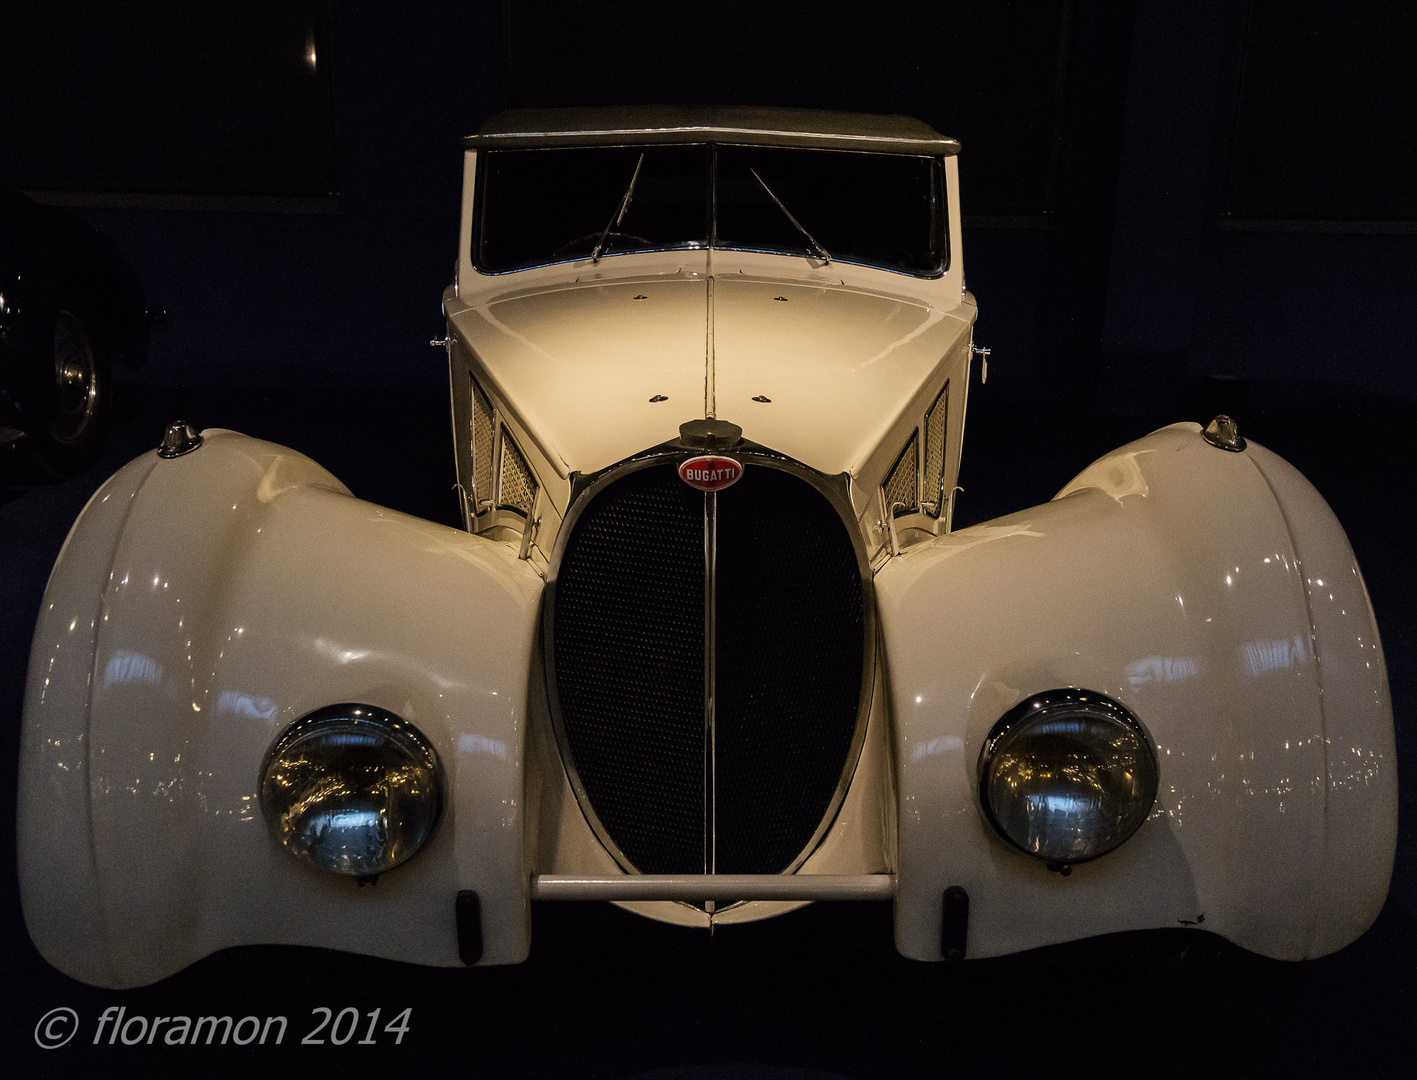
[936, 421]
[517, 489]
[901, 486]
[482, 439]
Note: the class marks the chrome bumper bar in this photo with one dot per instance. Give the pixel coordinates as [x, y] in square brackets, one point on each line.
[725, 887]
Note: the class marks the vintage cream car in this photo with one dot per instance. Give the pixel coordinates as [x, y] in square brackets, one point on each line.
[708, 646]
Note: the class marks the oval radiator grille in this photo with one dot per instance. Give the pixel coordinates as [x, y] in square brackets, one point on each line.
[675, 785]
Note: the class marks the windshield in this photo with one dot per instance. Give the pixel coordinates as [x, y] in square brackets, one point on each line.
[543, 206]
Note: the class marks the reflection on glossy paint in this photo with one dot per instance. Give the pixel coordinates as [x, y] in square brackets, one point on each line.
[57, 744]
[481, 744]
[938, 745]
[1358, 767]
[1120, 475]
[1153, 669]
[929, 322]
[124, 667]
[257, 708]
[976, 535]
[1261, 657]
[336, 653]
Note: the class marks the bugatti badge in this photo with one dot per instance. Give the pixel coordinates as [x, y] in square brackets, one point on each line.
[710, 472]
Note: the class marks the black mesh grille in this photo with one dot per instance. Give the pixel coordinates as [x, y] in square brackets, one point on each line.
[629, 666]
[628, 642]
[789, 667]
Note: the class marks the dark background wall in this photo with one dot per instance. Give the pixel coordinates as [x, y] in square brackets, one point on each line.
[1168, 206]
[1154, 193]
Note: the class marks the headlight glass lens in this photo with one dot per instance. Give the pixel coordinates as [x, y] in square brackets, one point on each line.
[352, 789]
[1067, 776]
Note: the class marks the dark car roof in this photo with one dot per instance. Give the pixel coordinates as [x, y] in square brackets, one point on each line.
[528, 128]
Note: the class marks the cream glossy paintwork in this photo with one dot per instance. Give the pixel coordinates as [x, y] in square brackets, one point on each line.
[565, 352]
[1178, 579]
[840, 364]
[1360, 766]
[846, 353]
[201, 606]
[58, 866]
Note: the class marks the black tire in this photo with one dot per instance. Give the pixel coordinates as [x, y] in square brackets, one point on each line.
[72, 438]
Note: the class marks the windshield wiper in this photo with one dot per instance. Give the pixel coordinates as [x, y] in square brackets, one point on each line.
[619, 216]
[795, 223]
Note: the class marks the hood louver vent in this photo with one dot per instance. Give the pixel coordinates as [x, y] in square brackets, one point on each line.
[932, 496]
[484, 438]
[514, 485]
[901, 488]
[516, 489]
[909, 489]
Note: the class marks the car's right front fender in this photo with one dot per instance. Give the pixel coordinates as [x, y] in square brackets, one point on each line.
[200, 606]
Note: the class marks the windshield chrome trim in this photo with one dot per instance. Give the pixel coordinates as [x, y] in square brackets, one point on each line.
[939, 197]
[881, 144]
[798, 125]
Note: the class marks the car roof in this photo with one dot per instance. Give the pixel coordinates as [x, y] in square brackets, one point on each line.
[637, 124]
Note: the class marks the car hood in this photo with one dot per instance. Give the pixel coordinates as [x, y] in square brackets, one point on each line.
[817, 372]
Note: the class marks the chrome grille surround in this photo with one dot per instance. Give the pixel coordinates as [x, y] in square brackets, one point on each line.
[836, 493]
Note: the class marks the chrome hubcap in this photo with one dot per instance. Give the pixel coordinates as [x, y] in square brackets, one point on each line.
[75, 380]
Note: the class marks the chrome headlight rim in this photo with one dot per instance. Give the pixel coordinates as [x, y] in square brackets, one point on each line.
[1050, 704]
[361, 718]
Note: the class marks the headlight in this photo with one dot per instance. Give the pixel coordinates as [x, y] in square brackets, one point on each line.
[1067, 776]
[352, 789]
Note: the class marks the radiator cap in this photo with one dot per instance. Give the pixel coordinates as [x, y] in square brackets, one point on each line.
[710, 434]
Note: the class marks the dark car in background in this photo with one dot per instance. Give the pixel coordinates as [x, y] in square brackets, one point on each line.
[70, 308]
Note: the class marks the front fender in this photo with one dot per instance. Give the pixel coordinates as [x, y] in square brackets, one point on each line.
[1212, 593]
[200, 606]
